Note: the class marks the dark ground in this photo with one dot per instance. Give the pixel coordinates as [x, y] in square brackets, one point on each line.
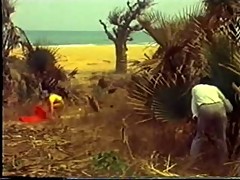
[69, 146]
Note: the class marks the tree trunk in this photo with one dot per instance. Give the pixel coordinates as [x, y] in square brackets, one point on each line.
[121, 57]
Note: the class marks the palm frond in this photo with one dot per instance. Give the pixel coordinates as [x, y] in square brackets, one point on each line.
[189, 49]
[164, 29]
[175, 66]
[227, 5]
[166, 109]
[146, 65]
[218, 51]
[221, 54]
[234, 65]
[12, 35]
[152, 97]
[8, 7]
[45, 59]
[190, 12]
[160, 27]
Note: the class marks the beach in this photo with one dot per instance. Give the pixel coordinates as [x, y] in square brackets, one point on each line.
[95, 58]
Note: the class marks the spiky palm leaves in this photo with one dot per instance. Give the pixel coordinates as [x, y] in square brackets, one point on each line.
[160, 98]
[174, 69]
[222, 7]
[7, 10]
[226, 55]
[221, 53]
[42, 59]
[12, 35]
[173, 35]
[187, 52]
[43, 62]
[233, 66]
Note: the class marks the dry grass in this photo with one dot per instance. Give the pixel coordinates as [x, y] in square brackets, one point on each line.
[66, 146]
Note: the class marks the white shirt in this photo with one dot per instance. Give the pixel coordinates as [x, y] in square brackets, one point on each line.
[208, 94]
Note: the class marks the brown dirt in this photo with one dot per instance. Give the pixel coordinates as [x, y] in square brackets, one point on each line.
[64, 147]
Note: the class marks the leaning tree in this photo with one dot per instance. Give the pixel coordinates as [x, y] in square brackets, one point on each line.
[122, 20]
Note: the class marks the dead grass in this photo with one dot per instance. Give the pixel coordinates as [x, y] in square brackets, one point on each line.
[66, 146]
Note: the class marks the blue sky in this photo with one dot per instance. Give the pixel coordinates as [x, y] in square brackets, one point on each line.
[78, 15]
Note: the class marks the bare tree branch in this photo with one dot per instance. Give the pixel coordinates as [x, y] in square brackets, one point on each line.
[129, 6]
[110, 36]
[135, 10]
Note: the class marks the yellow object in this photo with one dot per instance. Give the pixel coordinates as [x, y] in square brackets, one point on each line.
[54, 98]
[55, 101]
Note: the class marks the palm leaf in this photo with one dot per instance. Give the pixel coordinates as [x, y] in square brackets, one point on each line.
[165, 29]
[7, 9]
[160, 98]
[165, 108]
[225, 5]
[191, 12]
[220, 52]
[159, 26]
[233, 66]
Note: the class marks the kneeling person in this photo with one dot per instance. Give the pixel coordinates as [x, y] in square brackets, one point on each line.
[53, 100]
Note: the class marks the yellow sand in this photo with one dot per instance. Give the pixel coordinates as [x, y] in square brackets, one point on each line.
[96, 58]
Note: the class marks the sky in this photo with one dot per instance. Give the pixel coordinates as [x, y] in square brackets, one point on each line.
[78, 15]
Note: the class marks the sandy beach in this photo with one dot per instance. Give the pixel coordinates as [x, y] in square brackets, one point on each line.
[95, 58]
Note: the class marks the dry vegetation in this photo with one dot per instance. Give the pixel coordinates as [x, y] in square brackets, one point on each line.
[81, 142]
[70, 145]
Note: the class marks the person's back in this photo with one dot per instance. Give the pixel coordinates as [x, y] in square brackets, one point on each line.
[206, 94]
[209, 105]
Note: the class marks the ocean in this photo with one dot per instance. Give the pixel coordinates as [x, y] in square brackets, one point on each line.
[81, 38]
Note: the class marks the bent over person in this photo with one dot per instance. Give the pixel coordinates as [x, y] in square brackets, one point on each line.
[53, 100]
[210, 107]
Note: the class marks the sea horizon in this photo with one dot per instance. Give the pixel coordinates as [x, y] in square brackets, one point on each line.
[80, 38]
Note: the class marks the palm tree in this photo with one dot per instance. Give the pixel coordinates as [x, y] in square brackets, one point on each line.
[187, 51]
[39, 59]
[12, 35]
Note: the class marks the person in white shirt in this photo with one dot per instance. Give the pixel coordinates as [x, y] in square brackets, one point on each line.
[210, 107]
